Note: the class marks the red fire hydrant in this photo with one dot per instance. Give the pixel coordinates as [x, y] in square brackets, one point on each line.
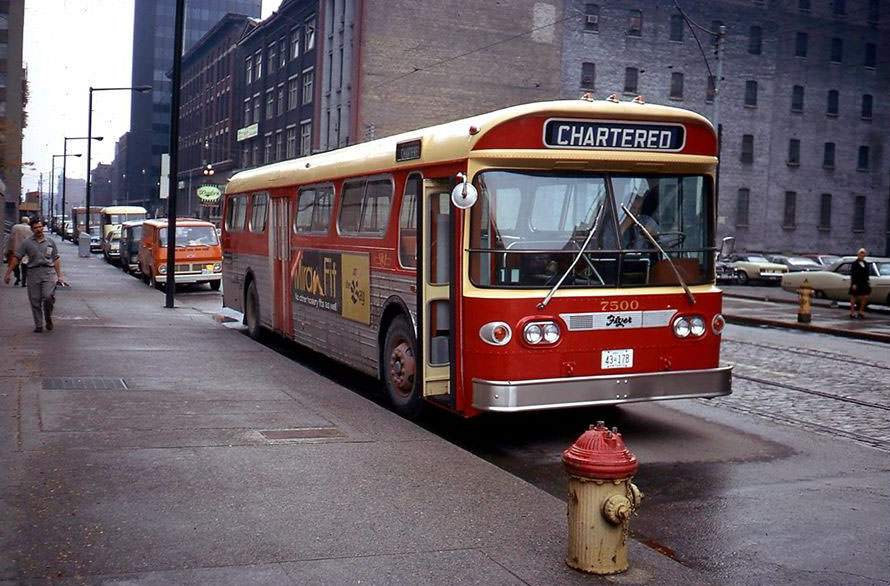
[601, 500]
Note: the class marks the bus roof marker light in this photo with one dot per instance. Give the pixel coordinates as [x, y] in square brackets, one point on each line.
[638, 100]
[587, 96]
[613, 98]
[474, 130]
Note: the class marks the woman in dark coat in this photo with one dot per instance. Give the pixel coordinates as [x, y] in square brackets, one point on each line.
[859, 285]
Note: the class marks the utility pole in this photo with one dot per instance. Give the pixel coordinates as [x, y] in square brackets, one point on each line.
[174, 153]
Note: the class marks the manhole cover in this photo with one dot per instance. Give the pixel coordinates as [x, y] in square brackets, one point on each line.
[302, 433]
[84, 384]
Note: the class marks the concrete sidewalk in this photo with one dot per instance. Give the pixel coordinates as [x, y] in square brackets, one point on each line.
[141, 445]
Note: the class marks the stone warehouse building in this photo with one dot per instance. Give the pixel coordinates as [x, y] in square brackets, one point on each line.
[803, 105]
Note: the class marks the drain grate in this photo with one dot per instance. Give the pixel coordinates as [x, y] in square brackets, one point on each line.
[302, 433]
[84, 384]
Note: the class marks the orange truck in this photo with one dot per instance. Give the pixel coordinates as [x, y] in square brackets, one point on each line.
[198, 253]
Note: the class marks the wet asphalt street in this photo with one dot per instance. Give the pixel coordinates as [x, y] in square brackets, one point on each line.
[783, 482]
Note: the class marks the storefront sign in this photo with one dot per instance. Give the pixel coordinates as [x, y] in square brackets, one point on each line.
[209, 194]
[599, 134]
[248, 132]
[333, 281]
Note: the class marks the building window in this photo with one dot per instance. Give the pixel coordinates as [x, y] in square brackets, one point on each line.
[755, 40]
[832, 108]
[256, 152]
[270, 105]
[797, 98]
[837, 50]
[870, 55]
[631, 77]
[247, 112]
[788, 220]
[291, 143]
[741, 207]
[588, 75]
[295, 43]
[293, 85]
[825, 212]
[282, 53]
[258, 64]
[245, 156]
[248, 70]
[874, 12]
[592, 17]
[273, 55]
[676, 27]
[676, 86]
[862, 162]
[310, 33]
[801, 44]
[859, 213]
[840, 7]
[279, 146]
[256, 109]
[747, 148]
[635, 24]
[306, 137]
[803, 5]
[828, 156]
[712, 89]
[280, 106]
[751, 93]
[308, 79]
[794, 152]
[267, 152]
[866, 106]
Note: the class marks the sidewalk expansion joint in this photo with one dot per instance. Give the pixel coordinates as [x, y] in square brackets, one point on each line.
[85, 384]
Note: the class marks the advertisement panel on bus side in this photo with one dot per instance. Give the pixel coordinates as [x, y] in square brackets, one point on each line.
[334, 281]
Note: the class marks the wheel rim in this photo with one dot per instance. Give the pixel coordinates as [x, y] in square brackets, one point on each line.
[402, 368]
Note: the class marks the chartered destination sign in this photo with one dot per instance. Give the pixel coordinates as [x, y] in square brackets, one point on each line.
[603, 134]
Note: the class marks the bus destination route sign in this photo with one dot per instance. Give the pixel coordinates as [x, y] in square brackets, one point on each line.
[408, 151]
[334, 281]
[609, 134]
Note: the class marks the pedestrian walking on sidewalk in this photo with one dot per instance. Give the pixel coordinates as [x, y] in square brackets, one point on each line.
[45, 270]
[860, 288]
[18, 234]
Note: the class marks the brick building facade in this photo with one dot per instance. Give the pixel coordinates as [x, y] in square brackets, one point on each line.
[802, 105]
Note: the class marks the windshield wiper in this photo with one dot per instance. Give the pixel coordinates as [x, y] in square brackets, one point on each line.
[590, 233]
[670, 260]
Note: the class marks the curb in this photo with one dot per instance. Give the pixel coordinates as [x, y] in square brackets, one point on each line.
[744, 320]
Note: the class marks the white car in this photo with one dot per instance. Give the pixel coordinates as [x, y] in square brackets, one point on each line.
[755, 267]
[834, 283]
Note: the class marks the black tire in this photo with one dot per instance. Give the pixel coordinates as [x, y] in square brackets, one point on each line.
[214, 285]
[399, 369]
[252, 312]
[742, 278]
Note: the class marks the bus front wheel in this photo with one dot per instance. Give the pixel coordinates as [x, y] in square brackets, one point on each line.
[400, 368]
[252, 312]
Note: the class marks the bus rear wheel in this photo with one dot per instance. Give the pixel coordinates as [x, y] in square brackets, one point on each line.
[400, 368]
[252, 312]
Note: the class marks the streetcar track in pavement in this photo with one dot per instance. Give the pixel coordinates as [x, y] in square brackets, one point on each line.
[810, 352]
[812, 392]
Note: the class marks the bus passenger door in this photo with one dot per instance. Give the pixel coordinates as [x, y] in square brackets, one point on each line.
[435, 335]
[280, 253]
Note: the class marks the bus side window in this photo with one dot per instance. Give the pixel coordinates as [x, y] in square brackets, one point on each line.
[305, 205]
[408, 222]
[259, 212]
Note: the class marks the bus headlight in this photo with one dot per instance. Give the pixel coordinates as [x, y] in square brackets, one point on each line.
[681, 327]
[551, 333]
[533, 334]
[697, 326]
[162, 269]
[217, 267]
[496, 333]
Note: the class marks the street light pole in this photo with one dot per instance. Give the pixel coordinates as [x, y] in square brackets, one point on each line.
[141, 89]
[174, 153]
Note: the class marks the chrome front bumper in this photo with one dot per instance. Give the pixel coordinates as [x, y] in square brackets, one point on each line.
[555, 393]
[190, 278]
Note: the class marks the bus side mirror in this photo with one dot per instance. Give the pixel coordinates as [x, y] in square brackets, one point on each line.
[464, 194]
[727, 246]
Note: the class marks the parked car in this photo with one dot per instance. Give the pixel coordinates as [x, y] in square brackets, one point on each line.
[68, 232]
[111, 246]
[796, 264]
[95, 238]
[131, 236]
[826, 260]
[835, 282]
[198, 253]
[755, 267]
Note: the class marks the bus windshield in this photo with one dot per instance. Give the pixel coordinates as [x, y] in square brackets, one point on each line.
[191, 236]
[121, 218]
[527, 227]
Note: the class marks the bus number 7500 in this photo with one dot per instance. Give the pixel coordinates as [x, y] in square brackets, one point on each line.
[623, 305]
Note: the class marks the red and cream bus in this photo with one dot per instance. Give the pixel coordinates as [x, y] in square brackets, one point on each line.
[545, 255]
